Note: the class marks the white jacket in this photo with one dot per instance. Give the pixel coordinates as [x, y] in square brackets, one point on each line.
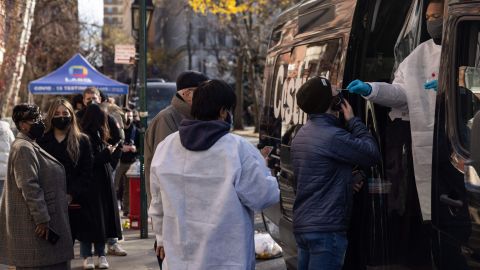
[209, 196]
[407, 91]
[6, 139]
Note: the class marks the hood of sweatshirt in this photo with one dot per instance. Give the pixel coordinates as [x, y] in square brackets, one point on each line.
[196, 135]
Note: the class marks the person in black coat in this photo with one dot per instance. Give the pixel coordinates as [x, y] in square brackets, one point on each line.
[64, 141]
[94, 124]
[115, 133]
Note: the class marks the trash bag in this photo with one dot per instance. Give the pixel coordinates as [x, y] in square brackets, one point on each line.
[266, 247]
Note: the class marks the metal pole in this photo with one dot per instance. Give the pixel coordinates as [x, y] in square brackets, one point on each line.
[142, 72]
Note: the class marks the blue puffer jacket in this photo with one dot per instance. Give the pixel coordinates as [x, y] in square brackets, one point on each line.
[324, 155]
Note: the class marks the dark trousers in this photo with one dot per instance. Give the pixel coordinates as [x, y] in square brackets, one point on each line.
[409, 237]
[158, 257]
[122, 185]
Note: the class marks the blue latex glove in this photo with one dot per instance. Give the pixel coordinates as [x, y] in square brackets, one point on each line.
[359, 87]
[431, 85]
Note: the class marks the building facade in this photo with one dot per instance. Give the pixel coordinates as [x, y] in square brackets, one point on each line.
[179, 40]
[113, 21]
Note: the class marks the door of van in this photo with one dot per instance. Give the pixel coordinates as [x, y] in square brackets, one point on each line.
[455, 171]
[312, 42]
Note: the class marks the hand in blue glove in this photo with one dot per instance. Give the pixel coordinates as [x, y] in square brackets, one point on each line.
[359, 87]
[431, 85]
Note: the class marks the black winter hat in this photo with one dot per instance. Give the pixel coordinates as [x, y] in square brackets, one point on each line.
[315, 95]
[189, 79]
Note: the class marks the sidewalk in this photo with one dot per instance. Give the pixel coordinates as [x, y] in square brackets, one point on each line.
[140, 253]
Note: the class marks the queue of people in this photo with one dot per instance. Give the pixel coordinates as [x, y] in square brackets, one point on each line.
[204, 183]
[59, 186]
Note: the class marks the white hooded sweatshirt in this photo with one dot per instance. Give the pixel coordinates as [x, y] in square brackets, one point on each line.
[407, 92]
[206, 222]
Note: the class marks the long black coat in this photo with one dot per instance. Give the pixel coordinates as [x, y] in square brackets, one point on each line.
[79, 177]
[102, 184]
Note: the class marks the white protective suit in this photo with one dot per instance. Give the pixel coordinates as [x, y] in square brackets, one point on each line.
[208, 201]
[407, 93]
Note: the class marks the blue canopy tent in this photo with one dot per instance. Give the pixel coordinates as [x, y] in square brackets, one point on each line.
[73, 77]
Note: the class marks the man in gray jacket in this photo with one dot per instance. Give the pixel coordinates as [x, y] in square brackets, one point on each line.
[168, 120]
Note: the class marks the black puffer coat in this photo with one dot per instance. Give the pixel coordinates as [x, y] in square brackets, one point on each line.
[323, 156]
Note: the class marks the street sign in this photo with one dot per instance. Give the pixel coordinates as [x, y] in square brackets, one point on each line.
[124, 54]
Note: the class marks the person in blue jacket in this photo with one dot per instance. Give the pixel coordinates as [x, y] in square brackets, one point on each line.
[324, 154]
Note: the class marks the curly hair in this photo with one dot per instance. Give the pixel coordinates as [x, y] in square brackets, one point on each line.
[25, 112]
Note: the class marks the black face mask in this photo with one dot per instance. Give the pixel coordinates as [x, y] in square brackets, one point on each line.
[434, 29]
[92, 102]
[61, 122]
[128, 122]
[36, 130]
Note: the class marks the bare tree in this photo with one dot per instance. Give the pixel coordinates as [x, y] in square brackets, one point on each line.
[249, 23]
[19, 22]
[55, 39]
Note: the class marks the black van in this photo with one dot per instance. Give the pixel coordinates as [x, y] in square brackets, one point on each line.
[367, 39]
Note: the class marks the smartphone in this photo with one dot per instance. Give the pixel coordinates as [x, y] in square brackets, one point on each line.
[268, 150]
[53, 236]
[337, 102]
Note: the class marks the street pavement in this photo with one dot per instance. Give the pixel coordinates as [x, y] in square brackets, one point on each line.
[142, 257]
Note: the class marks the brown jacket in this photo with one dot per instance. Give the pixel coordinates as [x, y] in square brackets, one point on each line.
[163, 124]
[35, 192]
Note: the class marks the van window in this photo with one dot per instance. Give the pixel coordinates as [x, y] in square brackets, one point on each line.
[316, 18]
[468, 78]
[293, 69]
[411, 34]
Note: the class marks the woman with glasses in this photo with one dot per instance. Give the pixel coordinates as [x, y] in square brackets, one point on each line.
[34, 227]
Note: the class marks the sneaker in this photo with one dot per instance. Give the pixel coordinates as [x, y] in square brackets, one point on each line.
[116, 250]
[102, 263]
[88, 263]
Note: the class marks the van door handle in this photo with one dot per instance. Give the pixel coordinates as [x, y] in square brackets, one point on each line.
[444, 198]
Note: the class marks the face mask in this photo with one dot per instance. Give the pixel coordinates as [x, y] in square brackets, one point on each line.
[36, 130]
[128, 122]
[434, 29]
[92, 102]
[61, 122]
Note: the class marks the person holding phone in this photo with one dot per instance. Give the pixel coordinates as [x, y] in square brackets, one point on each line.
[94, 124]
[324, 154]
[64, 141]
[34, 228]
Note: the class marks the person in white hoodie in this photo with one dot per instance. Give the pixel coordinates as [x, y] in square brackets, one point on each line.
[210, 182]
[412, 96]
[6, 139]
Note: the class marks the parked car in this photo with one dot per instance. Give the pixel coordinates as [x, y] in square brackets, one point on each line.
[348, 39]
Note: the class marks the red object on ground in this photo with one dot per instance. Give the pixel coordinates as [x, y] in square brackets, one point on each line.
[134, 215]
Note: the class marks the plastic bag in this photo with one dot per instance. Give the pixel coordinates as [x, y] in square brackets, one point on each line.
[266, 247]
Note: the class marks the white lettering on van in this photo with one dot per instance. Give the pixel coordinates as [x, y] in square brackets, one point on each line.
[285, 90]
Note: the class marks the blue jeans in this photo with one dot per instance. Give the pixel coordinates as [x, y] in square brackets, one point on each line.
[86, 249]
[321, 251]
[112, 241]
